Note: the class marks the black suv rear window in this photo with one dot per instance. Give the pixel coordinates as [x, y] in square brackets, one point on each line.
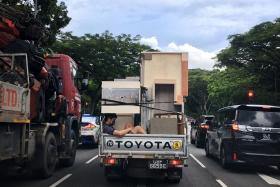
[255, 118]
[209, 118]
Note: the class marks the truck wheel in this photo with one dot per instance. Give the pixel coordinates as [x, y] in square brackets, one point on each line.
[47, 158]
[112, 174]
[67, 162]
[174, 175]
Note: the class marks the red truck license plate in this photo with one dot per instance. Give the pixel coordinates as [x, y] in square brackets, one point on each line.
[158, 164]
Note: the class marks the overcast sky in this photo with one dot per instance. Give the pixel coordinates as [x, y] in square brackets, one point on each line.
[200, 27]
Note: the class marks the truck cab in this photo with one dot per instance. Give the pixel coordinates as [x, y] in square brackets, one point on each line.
[66, 69]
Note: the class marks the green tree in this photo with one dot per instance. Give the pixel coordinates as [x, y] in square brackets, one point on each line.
[104, 56]
[198, 101]
[53, 15]
[257, 51]
[230, 86]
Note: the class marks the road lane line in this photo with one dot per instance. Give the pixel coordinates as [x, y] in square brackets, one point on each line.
[61, 180]
[202, 165]
[221, 183]
[92, 159]
[269, 180]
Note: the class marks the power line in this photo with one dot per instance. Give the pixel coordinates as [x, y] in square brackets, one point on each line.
[139, 104]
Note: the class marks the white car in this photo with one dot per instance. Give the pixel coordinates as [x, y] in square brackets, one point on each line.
[90, 129]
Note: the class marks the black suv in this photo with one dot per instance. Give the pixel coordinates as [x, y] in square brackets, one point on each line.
[245, 134]
[199, 129]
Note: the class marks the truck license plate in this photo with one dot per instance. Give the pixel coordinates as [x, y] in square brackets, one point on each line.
[158, 164]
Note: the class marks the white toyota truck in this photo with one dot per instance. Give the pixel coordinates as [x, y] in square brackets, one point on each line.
[155, 101]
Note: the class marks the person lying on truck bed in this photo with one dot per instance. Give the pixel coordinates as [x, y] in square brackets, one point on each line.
[108, 128]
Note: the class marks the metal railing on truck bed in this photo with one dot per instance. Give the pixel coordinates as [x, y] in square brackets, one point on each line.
[14, 88]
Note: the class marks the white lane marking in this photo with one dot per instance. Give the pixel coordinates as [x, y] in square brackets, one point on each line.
[61, 180]
[269, 180]
[221, 183]
[202, 165]
[92, 159]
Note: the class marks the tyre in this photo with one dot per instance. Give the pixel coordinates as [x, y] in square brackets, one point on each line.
[174, 175]
[113, 174]
[96, 142]
[197, 144]
[47, 157]
[174, 181]
[223, 159]
[207, 152]
[192, 140]
[67, 162]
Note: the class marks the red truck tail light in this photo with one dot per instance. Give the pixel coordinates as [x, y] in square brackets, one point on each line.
[176, 163]
[110, 161]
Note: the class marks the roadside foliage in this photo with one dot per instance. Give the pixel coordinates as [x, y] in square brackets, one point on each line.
[251, 62]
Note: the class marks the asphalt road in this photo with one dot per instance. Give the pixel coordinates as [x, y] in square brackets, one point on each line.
[202, 171]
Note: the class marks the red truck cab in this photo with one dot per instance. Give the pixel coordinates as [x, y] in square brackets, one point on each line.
[68, 69]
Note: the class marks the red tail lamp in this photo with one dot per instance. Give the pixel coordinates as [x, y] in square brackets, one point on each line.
[204, 126]
[176, 162]
[234, 156]
[110, 161]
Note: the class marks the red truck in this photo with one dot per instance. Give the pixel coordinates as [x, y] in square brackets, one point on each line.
[40, 105]
[38, 127]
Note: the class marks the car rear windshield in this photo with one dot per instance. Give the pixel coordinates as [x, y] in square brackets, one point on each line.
[89, 119]
[255, 118]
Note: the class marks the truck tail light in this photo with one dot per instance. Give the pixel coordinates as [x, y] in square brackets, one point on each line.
[176, 163]
[110, 161]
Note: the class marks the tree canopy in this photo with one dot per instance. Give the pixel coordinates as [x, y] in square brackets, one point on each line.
[198, 101]
[257, 51]
[53, 15]
[104, 56]
[251, 62]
